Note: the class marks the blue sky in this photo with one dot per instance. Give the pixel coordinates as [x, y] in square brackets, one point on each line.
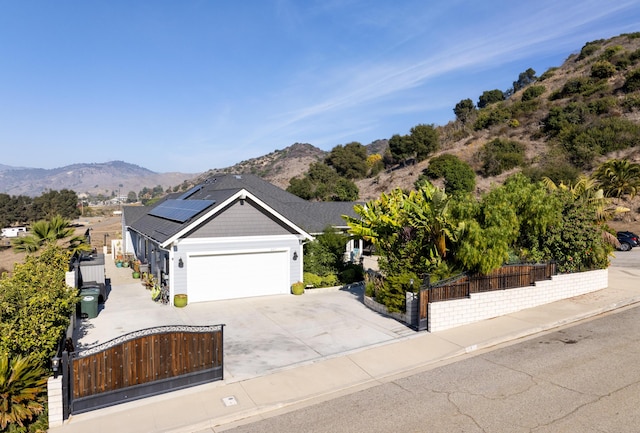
[193, 84]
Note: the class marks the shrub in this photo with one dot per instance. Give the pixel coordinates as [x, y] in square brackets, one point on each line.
[459, 177]
[23, 384]
[557, 171]
[632, 82]
[575, 86]
[35, 305]
[495, 115]
[576, 244]
[500, 155]
[588, 49]
[631, 103]
[351, 274]
[602, 105]
[532, 92]
[548, 74]
[602, 69]
[311, 279]
[393, 292]
[329, 280]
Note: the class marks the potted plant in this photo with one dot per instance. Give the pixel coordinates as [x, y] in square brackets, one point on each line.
[180, 300]
[297, 288]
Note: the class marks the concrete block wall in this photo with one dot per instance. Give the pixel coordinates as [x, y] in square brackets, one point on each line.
[54, 397]
[480, 306]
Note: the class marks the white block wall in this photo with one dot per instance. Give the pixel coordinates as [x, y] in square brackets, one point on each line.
[481, 306]
[54, 397]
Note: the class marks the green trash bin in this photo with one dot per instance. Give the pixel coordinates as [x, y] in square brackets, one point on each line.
[89, 302]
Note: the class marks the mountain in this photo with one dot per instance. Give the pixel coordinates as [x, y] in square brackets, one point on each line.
[96, 178]
[277, 167]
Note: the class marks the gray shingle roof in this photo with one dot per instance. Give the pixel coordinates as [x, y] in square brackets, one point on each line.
[313, 217]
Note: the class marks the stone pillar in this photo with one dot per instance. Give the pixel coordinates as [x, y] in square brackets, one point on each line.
[54, 397]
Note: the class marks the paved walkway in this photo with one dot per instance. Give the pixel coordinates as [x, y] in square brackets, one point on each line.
[221, 405]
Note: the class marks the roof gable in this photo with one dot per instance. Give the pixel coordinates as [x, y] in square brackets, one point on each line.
[178, 214]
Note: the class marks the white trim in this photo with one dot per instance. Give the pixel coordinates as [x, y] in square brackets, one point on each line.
[234, 239]
[242, 193]
[238, 252]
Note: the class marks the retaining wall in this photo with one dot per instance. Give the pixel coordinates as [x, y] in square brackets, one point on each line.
[481, 306]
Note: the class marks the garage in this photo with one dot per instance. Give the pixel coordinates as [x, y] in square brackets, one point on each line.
[212, 277]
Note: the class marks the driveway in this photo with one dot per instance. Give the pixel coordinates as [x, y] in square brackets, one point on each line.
[261, 334]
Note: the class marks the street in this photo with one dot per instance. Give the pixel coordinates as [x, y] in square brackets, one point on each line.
[583, 378]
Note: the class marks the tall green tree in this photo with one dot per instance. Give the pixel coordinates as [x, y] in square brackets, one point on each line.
[424, 140]
[349, 161]
[323, 183]
[464, 110]
[401, 147]
[524, 79]
[489, 97]
[52, 203]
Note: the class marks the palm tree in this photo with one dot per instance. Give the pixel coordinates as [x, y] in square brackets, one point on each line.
[22, 385]
[618, 177]
[51, 231]
[587, 191]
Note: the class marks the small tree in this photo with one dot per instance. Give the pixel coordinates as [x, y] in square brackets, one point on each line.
[425, 141]
[490, 97]
[401, 147]
[464, 110]
[349, 161]
[524, 79]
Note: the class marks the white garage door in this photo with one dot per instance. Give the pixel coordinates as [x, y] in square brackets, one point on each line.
[228, 276]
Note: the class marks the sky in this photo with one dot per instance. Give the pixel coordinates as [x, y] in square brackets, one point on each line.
[191, 85]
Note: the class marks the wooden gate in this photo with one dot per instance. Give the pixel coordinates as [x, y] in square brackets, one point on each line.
[141, 364]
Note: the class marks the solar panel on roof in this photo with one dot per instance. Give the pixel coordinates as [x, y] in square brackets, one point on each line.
[180, 210]
[190, 192]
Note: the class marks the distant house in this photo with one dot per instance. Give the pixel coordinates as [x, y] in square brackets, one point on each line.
[13, 232]
[233, 236]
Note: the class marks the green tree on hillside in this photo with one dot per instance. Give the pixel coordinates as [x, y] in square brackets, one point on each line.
[323, 183]
[401, 147]
[524, 79]
[349, 161]
[424, 140]
[464, 110]
[490, 97]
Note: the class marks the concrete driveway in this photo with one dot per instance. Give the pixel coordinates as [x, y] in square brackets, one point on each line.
[261, 335]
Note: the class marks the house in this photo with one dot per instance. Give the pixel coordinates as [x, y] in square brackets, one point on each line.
[233, 236]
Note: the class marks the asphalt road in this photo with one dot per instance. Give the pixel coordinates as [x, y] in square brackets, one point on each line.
[584, 378]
